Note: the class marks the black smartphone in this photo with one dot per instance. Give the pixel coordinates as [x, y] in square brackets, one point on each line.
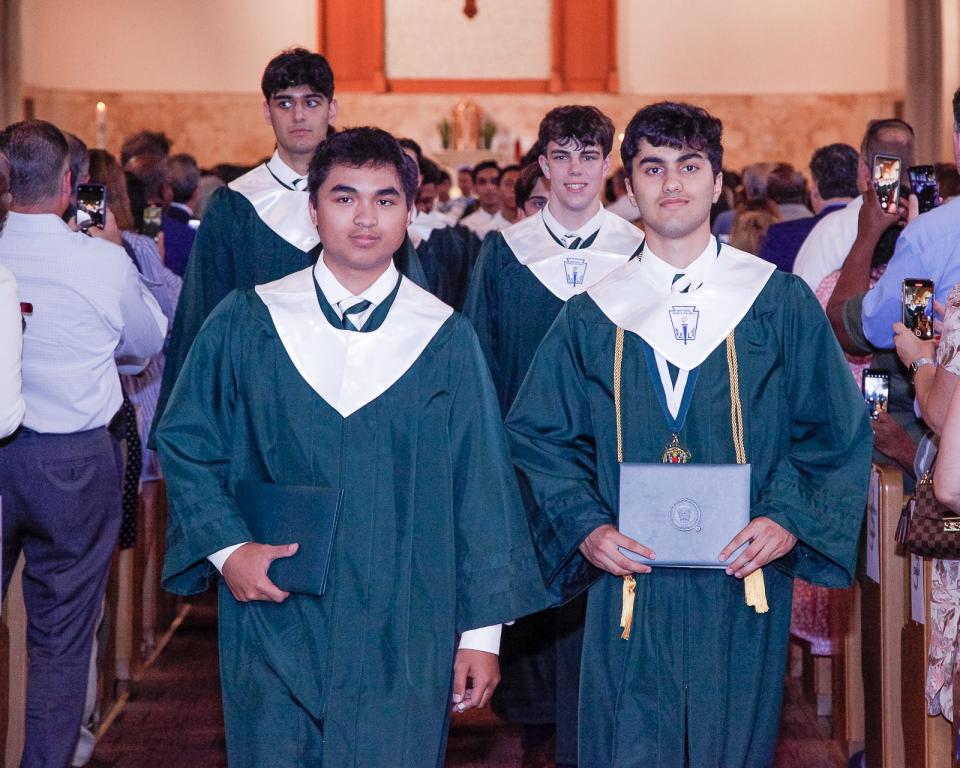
[923, 182]
[876, 390]
[886, 181]
[918, 306]
[91, 206]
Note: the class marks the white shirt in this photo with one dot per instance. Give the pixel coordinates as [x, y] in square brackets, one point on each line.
[11, 345]
[482, 223]
[567, 236]
[92, 316]
[482, 639]
[828, 244]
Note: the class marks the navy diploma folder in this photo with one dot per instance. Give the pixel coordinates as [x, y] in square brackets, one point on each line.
[685, 513]
[284, 514]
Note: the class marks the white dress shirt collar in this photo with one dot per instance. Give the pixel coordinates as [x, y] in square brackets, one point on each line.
[663, 273]
[336, 294]
[37, 222]
[568, 235]
[183, 207]
[285, 174]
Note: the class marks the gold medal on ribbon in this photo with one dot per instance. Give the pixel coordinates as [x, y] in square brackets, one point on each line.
[675, 453]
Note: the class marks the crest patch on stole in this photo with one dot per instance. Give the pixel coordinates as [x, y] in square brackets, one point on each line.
[576, 269]
[684, 320]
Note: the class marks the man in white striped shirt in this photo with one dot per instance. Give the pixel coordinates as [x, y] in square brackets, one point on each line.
[92, 317]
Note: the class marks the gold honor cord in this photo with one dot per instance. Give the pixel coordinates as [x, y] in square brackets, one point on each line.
[753, 585]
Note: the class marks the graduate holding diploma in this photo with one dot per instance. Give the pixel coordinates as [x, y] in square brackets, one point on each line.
[335, 449]
[699, 354]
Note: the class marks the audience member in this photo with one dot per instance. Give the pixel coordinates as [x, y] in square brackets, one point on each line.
[834, 172]
[829, 242]
[60, 473]
[11, 329]
[209, 183]
[750, 225]
[947, 476]
[948, 180]
[754, 189]
[79, 170]
[179, 224]
[145, 143]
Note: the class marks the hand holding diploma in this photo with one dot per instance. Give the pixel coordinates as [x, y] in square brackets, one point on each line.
[245, 571]
[601, 549]
[768, 541]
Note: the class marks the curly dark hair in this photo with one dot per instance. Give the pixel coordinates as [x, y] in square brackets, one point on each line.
[578, 125]
[675, 125]
[834, 169]
[295, 67]
[358, 147]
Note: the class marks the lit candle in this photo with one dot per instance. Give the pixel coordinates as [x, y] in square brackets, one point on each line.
[101, 125]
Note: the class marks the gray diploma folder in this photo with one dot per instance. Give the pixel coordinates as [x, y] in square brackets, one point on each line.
[685, 513]
[283, 514]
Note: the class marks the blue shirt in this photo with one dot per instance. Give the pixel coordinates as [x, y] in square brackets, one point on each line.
[929, 248]
[783, 240]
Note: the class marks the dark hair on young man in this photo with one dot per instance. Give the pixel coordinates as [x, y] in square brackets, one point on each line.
[576, 126]
[675, 125]
[149, 143]
[38, 152]
[485, 165]
[513, 168]
[413, 147]
[834, 169]
[889, 136]
[526, 181]
[359, 147]
[444, 177]
[183, 173]
[430, 171]
[295, 67]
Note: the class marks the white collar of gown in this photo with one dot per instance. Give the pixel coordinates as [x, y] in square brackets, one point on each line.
[285, 211]
[565, 272]
[683, 327]
[349, 369]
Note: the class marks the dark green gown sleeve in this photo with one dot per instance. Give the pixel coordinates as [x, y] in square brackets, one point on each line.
[408, 263]
[482, 306]
[194, 439]
[552, 443]
[818, 490]
[497, 574]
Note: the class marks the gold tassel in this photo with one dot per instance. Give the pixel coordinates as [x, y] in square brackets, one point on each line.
[626, 615]
[755, 592]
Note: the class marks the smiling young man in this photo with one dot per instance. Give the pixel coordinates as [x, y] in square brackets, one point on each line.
[522, 278]
[258, 227]
[660, 362]
[347, 377]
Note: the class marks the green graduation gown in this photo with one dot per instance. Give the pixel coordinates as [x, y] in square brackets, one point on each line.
[448, 256]
[512, 308]
[432, 539]
[699, 682]
[235, 248]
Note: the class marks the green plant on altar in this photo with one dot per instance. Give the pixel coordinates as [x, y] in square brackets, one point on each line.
[487, 131]
[445, 127]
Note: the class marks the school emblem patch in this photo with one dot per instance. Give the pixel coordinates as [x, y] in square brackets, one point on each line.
[686, 515]
[575, 269]
[684, 321]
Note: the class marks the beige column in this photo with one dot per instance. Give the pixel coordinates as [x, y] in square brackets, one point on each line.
[11, 101]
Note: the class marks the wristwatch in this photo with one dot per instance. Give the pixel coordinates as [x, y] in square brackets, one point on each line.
[917, 364]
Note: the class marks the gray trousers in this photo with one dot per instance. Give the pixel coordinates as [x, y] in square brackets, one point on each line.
[61, 508]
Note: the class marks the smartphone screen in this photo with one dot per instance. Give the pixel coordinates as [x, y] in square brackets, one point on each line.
[886, 180]
[918, 306]
[876, 390]
[923, 181]
[91, 206]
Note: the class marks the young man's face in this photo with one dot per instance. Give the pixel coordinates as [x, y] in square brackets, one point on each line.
[487, 189]
[361, 215]
[299, 118]
[673, 189]
[538, 198]
[443, 190]
[426, 197]
[465, 182]
[508, 195]
[576, 175]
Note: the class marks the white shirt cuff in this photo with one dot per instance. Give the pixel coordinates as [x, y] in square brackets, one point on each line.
[219, 557]
[482, 639]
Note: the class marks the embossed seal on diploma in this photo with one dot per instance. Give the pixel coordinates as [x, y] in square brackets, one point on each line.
[685, 515]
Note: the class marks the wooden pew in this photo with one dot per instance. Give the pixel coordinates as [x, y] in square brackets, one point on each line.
[846, 669]
[883, 614]
[928, 739]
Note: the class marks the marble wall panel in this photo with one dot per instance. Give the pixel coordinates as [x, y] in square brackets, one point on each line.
[229, 127]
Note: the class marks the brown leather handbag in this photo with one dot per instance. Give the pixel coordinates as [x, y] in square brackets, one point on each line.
[927, 527]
